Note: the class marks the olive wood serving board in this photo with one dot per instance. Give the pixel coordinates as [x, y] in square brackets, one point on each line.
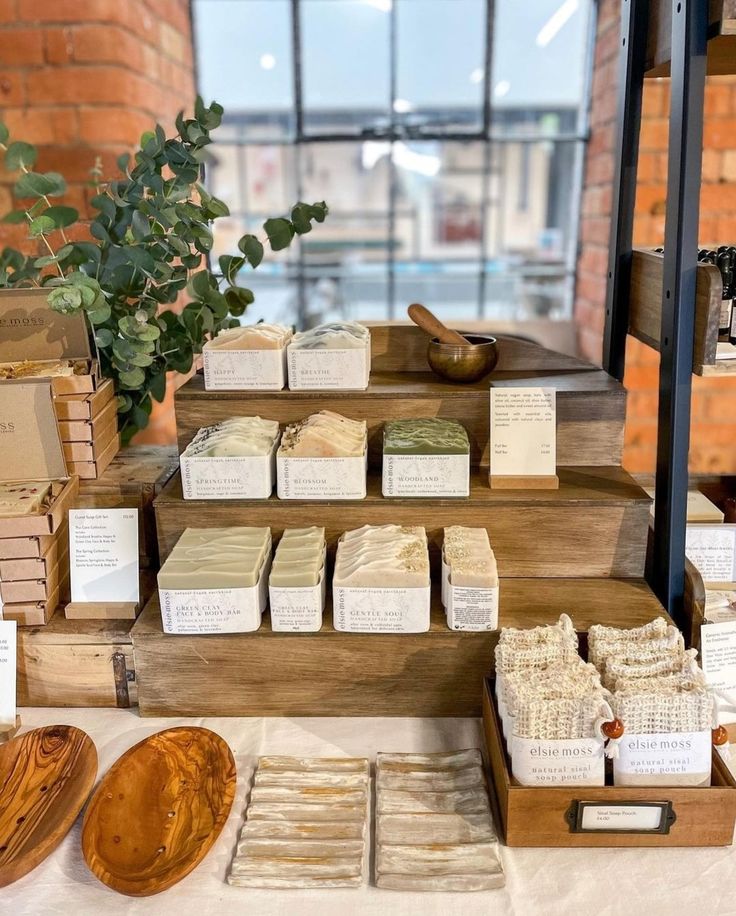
[46, 776]
[158, 811]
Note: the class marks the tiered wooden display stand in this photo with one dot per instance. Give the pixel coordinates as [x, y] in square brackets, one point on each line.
[579, 549]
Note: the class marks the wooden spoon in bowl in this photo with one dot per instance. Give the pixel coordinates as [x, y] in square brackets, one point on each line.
[430, 323]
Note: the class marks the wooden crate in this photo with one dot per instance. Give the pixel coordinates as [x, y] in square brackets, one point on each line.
[330, 673]
[590, 404]
[539, 816]
[132, 481]
[595, 524]
[76, 663]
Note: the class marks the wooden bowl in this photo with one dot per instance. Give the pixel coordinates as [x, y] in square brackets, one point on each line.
[46, 776]
[158, 810]
[463, 364]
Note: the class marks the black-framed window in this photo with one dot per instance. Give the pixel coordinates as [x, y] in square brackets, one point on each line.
[447, 137]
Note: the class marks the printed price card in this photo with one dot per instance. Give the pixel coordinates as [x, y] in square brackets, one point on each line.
[103, 555]
[523, 432]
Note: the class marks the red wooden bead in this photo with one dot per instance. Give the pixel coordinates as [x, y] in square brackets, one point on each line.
[720, 736]
[613, 729]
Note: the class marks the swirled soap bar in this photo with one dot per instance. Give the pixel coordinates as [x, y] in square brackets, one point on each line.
[324, 435]
[425, 436]
[425, 456]
[210, 558]
[334, 355]
[384, 556]
[252, 337]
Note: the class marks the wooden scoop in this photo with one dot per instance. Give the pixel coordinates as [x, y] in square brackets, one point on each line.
[430, 323]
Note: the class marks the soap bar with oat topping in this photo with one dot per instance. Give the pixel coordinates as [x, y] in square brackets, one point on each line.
[382, 556]
[468, 554]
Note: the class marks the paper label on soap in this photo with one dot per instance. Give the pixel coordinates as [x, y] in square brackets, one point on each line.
[472, 608]
[621, 817]
[8, 671]
[445, 582]
[210, 610]
[103, 555]
[381, 610]
[321, 478]
[664, 755]
[564, 762]
[297, 610]
[238, 370]
[227, 478]
[426, 475]
[523, 432]
[712, 549]
[325, 369]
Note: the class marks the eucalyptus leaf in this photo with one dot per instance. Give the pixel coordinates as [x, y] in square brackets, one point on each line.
[4, 133]
[252, 248]
[15, 216]
[280, 232]
[104, 337]
[20, 155]
[62, 216]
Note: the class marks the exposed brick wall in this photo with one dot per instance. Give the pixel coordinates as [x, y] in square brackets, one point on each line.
[713, 437]
[85, 78]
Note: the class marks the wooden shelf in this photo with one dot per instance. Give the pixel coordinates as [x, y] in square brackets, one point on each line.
[721, 38]
[645, 308]
[329, 673]
[595, 524]
[591, 408]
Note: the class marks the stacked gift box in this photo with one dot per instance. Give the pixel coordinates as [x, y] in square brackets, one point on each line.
[88, 425]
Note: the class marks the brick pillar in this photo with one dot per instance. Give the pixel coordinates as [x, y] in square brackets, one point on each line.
[713, 431]
[85, 78]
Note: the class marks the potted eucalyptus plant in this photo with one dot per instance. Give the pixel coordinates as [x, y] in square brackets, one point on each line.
[151, 235]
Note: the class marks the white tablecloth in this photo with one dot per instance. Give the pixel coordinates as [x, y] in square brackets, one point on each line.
[588, 882]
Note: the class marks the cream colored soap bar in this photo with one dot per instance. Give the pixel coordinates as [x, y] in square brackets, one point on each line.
[241, 437]
[216, 558]
[252, 337]
[324, 435]
[27, 497]
[468, 554]
[387, 556]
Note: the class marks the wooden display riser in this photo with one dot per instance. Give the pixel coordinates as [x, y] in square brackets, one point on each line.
[590, 404]
[76, 663]
[438, 673]
[595, 524]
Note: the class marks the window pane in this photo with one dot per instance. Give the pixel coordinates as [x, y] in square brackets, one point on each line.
[440, 63]
[346, 66]
[539, 52]
[244, 60]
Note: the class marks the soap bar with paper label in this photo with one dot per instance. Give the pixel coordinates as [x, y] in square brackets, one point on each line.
[238, 437]
[337, 335]
[251, 337]
[324, 435]
[216, 558]
[384, 556]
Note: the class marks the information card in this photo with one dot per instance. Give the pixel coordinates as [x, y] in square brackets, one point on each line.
[712, 548]
[103, 555]
[8, 670]
[718, 651]
[523, 432]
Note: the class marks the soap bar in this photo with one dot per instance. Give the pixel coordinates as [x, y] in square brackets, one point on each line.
[299, 560]
[425, 436]
[28, 497]
[337, 335]
[236, 437]
[252, 337]
[48, 368]
[385, 556]
[324, 435]
[209, 558]
[468, 554]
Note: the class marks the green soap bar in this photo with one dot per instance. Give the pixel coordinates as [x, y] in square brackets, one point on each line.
[425, 436]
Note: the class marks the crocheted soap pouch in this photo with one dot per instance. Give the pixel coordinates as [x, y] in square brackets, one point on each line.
[618, 668]
[664, 708]
[555, 719]
[636, 650]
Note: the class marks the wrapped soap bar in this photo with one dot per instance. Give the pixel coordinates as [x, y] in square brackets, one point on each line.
[234, 459]
[470, 586]
[47, 368]
[26, 497]
[323, 457]
[652, 641]
[425, 456]
[297, 581]
[251, 357]
[381, 580]
[215, 580]
[334, 355]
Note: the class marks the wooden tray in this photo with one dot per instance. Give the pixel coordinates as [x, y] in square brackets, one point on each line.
[533, 816]
[158, 810]
[46, 776]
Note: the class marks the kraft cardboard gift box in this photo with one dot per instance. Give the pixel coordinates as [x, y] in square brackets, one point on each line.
[31, 449]
[32, 331]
